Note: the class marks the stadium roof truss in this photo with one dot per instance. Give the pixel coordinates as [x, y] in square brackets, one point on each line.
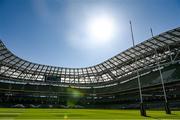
[162, 48]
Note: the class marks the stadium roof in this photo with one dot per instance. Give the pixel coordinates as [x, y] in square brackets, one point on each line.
[125, 63]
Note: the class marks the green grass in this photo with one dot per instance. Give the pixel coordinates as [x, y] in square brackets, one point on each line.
[81, 114]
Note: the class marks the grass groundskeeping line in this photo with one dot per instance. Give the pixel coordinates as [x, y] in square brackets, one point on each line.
[81, 114]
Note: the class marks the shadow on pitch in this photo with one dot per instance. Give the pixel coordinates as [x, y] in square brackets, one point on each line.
[159, 117]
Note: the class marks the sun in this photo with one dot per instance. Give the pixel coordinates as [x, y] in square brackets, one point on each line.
[101, 29]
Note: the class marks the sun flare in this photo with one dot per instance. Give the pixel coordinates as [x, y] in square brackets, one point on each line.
[101, 29]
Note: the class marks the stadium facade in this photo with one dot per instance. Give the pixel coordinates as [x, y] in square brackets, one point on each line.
[110, 84]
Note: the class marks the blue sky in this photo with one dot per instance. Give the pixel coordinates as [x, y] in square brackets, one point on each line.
[54, 32]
